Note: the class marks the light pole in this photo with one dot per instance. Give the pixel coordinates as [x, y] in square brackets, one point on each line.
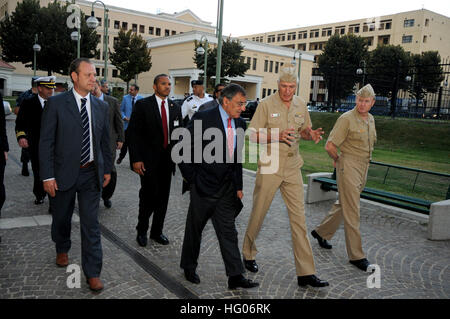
[204, 51]
[36, 48]
[93, 23]
[294, 62]
[75, 36]
[219, 43]
[362, 71]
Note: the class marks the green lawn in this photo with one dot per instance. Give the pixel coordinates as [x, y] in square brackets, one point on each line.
[421, 144]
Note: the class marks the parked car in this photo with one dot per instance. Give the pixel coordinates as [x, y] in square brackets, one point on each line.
[250, 109]
[7, 108]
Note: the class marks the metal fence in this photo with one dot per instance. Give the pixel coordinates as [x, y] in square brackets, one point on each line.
[401, 104]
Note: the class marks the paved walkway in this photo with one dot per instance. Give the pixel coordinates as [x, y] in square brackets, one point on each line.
[411, 266]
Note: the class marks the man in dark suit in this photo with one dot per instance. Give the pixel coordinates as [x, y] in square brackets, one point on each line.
[116, 136]
[4, 149]
[75, 160]
[28, 128]
[150, 128]
[216, 186]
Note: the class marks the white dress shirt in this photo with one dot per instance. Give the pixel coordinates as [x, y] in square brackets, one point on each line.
[78, 98]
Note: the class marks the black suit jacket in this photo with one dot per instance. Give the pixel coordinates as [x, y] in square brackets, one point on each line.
[208, 105]
[4, 146]
[28, 122]
[61, 137]
[146, 137]
[209, 177]
[116, 132]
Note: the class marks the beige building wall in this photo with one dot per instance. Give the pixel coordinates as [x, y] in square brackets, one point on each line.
[174, 56]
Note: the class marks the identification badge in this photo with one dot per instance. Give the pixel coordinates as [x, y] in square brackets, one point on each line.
[176, 123]
[275, 115]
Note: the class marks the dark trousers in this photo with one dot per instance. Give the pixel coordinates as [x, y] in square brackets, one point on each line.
[24, 156]
[108, 191]
[221, 208]
[86, 188]
[154, 197]
[38, 186]
[124, 149]
[2, 179]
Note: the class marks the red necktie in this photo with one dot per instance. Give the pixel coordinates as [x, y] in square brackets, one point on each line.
[230, 138]
[164, 124]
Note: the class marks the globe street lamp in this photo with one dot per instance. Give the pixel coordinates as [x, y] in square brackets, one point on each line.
[36, 48]
[204, 51]
[93, 23]
[294, 63]
[362, 71]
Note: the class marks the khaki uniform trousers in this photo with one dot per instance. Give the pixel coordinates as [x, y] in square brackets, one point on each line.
[266, 185]
[351, 179]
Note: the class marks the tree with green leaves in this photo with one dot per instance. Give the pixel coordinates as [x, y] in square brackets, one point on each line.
[427, 74]
[17, 36]
[233, 64]
[131, 55]
[338, 63]
[388, 68]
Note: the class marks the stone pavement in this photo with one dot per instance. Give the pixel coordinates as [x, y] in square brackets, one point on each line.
[412, 267]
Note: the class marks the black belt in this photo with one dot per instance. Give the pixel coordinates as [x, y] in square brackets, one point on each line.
[87, 165]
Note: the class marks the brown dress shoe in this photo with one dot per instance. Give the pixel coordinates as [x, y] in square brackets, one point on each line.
[95, 284]
[62, 260]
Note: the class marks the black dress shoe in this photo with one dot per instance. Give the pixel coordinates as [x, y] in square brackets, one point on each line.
[311, 280]
[362, 264]
[108, 203]
[240, 281]
[250, 265]
[322, 242]
[191, 276]
[39, 201]
[141, 240]
[161, 239]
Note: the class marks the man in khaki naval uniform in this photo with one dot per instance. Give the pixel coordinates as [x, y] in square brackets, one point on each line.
[287, 118]
[354, 134]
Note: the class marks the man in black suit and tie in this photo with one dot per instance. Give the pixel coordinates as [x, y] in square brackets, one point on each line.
[150, 128]
[216, 186]
[28, 128]
[116, 135]
[75, 159]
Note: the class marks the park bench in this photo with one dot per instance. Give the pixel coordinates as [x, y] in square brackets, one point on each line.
[409, 188]
[397, 178]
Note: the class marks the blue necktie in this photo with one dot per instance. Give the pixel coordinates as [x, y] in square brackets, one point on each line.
[86, 143]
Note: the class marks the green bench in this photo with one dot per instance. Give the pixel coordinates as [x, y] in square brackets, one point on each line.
[432, 186]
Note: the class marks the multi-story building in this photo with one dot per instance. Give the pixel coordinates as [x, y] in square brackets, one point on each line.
[416, 31]
[171, 38]
[147, 25]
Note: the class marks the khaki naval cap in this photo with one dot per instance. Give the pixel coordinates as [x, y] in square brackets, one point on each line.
[288, 73]
[366, 92]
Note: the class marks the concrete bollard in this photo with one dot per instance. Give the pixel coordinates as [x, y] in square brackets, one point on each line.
[439, 221]
[314, 193]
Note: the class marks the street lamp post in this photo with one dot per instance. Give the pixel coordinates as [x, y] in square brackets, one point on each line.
[219, 43]
[294, 62]
[204, 51]
[36, 48]
[75, 36]
[362, 71]
[93, 23]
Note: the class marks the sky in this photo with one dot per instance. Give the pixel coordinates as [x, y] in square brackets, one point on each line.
[243, 17]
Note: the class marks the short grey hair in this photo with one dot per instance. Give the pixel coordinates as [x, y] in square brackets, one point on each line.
[230, 91]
